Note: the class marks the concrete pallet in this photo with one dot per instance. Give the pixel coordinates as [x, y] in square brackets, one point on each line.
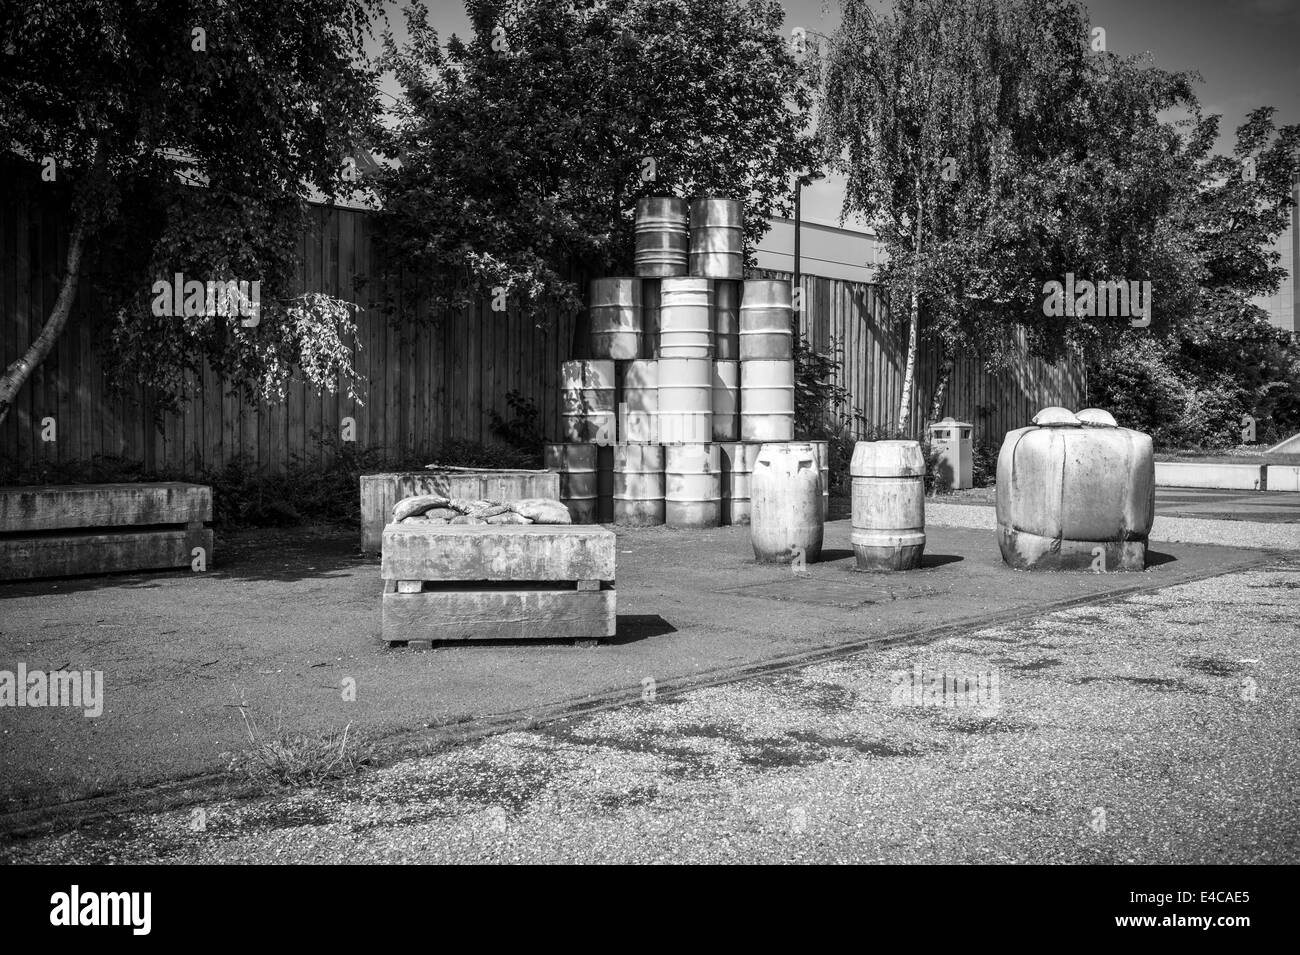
[506, 582]
[379, 492]
[65, 530]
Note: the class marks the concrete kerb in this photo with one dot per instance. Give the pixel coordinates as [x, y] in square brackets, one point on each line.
[432, 738]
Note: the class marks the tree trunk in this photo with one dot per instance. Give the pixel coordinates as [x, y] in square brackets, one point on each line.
[909, 373]
[945, 374]
[16, 375]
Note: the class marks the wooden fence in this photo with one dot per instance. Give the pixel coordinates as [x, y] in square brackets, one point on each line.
[421, 384]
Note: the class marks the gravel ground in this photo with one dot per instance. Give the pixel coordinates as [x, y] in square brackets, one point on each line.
[1183, 530]
[1158, 729]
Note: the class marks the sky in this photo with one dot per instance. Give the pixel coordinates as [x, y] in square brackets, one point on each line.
[1247, 51]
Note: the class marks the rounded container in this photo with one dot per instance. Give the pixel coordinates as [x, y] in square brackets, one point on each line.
[650, 297]
[767, 401]
[639, 484]
[888, 531]
[822, 449]
[685, 328]
[685, 401]
[662, 237]
[766, 320]
[786, 492]
[639, 409]
[616, 318]
[576, 465]
[726, 320]
[587, 399]
[726, 401]
[1075, 495]
[692, 485]
[717, 238]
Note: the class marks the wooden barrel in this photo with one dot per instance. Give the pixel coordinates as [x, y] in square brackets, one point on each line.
[726, 320]
[767, 400]
[766, 329]
[786, 493]
[576, 465]
[726, 401]
[662, 236]
[639, 409]
[737, 461]
[888, 505]
[823, 450]
[587, 396]
[639, 484]
[717, 234]
[650, 295]
[685, 400]
[616, 318]
[692, 485]
[685, 308]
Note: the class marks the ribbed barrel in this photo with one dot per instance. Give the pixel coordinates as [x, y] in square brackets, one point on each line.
[616, 321]
[726, 320]
[639, 411]
[662, 237]
[692, 485]
[605, 484]
[639, 484]
[888, 505]
[579, 489]
[717, 230]
[685, 400]
[786, 489]
[650, 296]
[766, 331]
[587, 396]
[685, 329]
[737, 465]
[822, 450]
[726, 400]
[767, 400]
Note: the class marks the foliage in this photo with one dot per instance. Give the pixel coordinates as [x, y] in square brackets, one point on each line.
[524, 147]
[819, 401]
[180, 151]
[522, 430]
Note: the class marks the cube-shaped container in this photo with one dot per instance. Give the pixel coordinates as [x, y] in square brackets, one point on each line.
[1075, 493]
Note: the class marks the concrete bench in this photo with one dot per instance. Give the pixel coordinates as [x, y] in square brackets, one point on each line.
[64, 530]
[497, 582]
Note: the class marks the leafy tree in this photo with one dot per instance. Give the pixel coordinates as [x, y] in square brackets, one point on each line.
[525, 147]
[993, 148]
[184, 137]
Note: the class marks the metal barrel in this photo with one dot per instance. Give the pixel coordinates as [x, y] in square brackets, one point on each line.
[685, 401]
[662, 237]
[692, 485]
[638, 421]
[587, 394]
[639, 484]
[726, 401]
[717, 239]
[726, 320]
[616, 320]
[786, 491]
[767, 400]
[737, 460]
[685, 313]
[650, 297]
[576, 465]
[766, 328]
[823, 450]
[888, 527]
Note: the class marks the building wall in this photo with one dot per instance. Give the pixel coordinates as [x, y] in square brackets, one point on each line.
[1283, 306]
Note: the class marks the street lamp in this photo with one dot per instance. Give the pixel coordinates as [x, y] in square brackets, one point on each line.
[807, 178]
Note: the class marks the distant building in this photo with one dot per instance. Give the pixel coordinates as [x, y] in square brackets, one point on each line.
[827, 249]
[1283, 306]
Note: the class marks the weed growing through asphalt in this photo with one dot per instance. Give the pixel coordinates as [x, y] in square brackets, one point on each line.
[298, 760]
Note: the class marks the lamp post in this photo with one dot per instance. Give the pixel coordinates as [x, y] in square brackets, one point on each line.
[806, 179]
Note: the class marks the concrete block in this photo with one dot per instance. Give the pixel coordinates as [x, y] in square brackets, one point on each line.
[519, 612]
[1283, 477]
[73, 506]
[476, 552]
[1243, 477]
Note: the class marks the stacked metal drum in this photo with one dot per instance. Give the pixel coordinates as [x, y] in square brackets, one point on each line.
[691, 374]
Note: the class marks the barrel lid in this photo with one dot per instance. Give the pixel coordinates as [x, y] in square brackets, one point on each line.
[1096, 418]
[1056, 417]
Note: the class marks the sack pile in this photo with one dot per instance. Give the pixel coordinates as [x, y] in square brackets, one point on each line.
[432, 509]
